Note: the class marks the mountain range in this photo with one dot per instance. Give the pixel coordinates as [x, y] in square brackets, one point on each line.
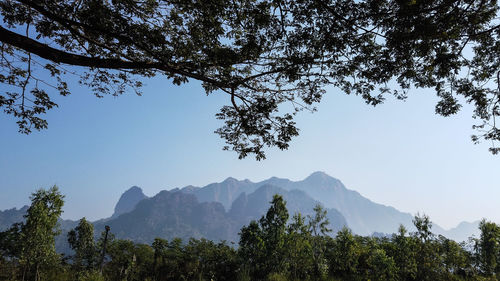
[175, 213]
[219, 210]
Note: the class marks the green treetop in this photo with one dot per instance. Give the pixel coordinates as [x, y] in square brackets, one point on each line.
[38, 233]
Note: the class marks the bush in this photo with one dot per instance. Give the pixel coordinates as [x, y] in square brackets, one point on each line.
[276, 277]
[91, 276]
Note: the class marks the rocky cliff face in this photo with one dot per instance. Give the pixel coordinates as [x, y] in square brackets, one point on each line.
[128, 201]
[219, 210]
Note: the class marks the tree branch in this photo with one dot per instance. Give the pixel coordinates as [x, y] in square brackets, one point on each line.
[58, 56]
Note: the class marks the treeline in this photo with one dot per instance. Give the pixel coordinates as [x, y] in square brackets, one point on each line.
[273, 248]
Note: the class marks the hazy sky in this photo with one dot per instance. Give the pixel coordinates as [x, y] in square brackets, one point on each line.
[398, 154]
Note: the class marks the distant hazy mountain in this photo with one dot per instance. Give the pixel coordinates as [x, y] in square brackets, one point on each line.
[362, 215]
[254, 205]
[128, 201]
[172, 214]
[463, 231]
[217, 211]
[14, 215]
[11, 216]
[223, 192]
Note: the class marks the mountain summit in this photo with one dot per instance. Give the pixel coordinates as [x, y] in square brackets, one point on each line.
[171, 214]
[362, 215]
[217, 211]
[128, 201]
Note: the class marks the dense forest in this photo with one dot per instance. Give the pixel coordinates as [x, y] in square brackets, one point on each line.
[279, 246]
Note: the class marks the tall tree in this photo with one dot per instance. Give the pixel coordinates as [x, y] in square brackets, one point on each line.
[105, 239]
[454, 258]
[9, 241]
[299, 250]
[81, 240]
[488, 247]
[273, 226]
[262, 244]
[373, 261]
[343, 254]
[10, 249]
[159, 248]
[427, 250]
[263, 54]
[38, 233]
[403, 250]
[318, 226]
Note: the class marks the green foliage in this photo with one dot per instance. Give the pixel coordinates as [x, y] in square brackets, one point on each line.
[403, 251]
[456, 261]
[343, 254]
[9, 241]
[276, 277]
[91, 275]
[299, 249]
[214, 261]
[262, 244]
[81, 240]
[318, 224]
[103, 242]
[488, 248]
[128, 261]
[427, 257]
[274, 248]
[318, 228]
[264, 54]
[380, 265]
[38, 233]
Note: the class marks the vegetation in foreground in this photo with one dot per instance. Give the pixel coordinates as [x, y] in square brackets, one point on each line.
[273, 248]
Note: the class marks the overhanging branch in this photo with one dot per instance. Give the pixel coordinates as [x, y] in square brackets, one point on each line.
[49, 53]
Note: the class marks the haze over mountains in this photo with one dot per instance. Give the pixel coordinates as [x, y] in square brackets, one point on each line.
[177, 213]
[362, 215]
[219, 210]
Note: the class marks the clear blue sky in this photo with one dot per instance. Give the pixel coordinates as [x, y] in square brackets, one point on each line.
[398, 154]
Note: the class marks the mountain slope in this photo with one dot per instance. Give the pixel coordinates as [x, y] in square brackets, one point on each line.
[217, 211]
[224, 192]
[11, 216]
[463, 231]
[172, 214]
[363, 215]
[128, 200]
[169, 215]
[253, 206]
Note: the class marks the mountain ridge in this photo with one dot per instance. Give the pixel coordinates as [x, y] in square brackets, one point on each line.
[171, 214]
[359, 213]
[332, 193]
[128, 201]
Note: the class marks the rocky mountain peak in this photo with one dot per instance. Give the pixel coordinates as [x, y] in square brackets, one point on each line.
[128, 200]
